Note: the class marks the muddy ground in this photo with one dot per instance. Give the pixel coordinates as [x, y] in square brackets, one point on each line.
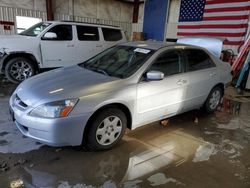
[191, 150]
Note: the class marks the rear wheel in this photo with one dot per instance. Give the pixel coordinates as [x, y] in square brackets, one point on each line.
[213, 99]
[18, 69]
[106, 129]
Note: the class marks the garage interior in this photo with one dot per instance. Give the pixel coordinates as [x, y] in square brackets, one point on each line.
[194, 149]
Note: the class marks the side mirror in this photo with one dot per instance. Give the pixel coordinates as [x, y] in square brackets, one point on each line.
[50, 35]
[155, 75]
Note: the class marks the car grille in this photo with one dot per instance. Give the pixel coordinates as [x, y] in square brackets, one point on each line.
[19, 103]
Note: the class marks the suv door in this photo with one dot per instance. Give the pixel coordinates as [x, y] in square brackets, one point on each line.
[89, 42]
[164, 98]
[59, 51]
[202, 77]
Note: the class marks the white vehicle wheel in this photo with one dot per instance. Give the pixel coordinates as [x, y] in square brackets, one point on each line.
[18, 69]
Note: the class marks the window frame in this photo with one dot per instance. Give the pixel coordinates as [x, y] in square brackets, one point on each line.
[104, 38]
[213, 64]
[72, 33]
[97, 28]
[180, 51]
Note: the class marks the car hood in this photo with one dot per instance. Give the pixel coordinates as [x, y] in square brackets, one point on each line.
[63, 83]
[15, 41]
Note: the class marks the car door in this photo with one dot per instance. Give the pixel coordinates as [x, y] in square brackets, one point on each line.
[202, 77]
[58, 51]
[162, 98]
[89, 42]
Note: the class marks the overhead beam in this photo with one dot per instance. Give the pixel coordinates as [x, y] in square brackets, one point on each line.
[49, 10]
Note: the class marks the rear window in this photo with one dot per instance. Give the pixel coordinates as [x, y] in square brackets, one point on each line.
[111, 34]
[87, 33]
[198, 59]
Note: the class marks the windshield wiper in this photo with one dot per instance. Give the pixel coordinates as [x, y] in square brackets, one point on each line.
[101, 71]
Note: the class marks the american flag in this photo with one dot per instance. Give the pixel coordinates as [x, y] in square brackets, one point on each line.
[215, 18]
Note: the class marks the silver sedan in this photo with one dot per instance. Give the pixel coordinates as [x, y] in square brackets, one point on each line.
[126, 86]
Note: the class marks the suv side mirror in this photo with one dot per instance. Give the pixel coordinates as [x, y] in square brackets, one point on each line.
[50, 35]
[155, 75]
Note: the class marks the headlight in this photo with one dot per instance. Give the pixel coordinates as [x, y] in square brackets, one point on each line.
[54, 109]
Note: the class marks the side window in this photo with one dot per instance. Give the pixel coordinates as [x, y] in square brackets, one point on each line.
[111, 34]
[197, 60]
[63, 32]
[169, 63]
[87, 33]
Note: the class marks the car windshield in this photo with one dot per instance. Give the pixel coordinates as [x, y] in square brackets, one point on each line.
[35, 30]
[119, 61]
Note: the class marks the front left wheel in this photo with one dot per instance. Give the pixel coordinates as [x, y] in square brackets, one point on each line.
[106, 129]
[18, 69]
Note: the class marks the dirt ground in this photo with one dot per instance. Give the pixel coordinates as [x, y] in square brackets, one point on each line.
[191, 150]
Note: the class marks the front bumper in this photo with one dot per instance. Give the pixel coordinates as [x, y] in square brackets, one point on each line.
[2, 57]
[54, 132]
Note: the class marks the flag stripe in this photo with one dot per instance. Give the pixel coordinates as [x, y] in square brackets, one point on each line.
[219, 14]
[224, 1]
[222, 22]
[225, 26]
[226, 18]
[228, 5]
[211, 34]
[214, 30]
[226, 9]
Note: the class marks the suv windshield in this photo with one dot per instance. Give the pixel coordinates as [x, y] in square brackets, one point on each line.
[119, 61]
[35, 30]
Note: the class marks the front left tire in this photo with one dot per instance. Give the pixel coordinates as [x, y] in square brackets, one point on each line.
[213, 99]
[106, 129]
[18, 69]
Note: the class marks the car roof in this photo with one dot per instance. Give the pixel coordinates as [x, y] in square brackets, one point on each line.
[83, 23]
[154, 45]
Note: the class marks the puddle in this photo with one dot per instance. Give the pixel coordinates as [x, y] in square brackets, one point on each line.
[3, 133]
[3, 143]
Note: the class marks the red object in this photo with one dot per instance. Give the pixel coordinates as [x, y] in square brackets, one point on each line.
[238, 63]
[215, 18]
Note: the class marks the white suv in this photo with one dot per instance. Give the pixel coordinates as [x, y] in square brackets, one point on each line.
[54, 44]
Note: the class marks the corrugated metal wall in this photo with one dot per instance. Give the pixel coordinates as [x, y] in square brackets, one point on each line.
[9, 14]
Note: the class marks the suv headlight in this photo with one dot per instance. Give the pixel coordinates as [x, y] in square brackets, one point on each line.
[54, 109]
